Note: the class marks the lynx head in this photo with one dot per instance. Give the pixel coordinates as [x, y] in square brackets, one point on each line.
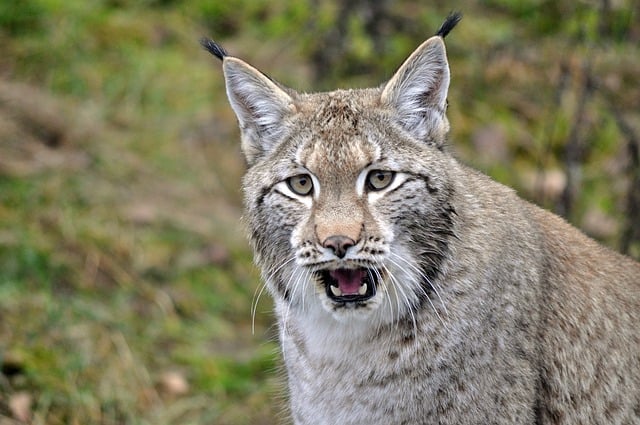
[346, 194]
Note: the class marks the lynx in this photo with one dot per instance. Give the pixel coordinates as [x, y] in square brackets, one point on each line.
[411, 289]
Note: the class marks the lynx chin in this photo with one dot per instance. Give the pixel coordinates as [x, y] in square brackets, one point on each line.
[411, 289]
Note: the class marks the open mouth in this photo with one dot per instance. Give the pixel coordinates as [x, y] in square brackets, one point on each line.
[349, 285]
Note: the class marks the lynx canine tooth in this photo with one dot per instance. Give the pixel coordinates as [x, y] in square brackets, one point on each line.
[336, 291]
[363, 289]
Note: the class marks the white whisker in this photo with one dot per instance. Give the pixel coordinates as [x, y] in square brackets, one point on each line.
[407, 302]
[254, 307]
[392, 285]
[435, 310]
[293, 283]
[260, 289]
[425, 278]
[387, 294]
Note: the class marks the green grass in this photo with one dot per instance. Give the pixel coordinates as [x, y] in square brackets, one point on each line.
[123, 263]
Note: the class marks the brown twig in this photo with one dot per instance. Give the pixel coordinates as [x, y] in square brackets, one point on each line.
[576, 150]
[631, 232]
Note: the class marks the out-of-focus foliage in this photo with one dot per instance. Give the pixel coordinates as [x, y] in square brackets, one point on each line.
[125, 280]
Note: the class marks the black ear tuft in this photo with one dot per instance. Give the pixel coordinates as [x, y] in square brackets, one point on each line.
[451, 21]
[214, 48]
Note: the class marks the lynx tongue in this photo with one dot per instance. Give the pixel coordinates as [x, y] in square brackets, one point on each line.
[350, 281]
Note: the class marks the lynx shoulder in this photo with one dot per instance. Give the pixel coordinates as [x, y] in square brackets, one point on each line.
[411, 289]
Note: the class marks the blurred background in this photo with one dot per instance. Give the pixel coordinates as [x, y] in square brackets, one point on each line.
[126, 283]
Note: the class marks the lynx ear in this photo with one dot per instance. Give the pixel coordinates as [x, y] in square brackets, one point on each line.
[260, 105]
[417, 93]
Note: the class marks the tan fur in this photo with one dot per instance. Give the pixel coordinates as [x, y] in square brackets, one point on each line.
[453, 300]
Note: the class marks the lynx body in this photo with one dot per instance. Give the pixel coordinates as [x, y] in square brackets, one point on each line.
[411, 289]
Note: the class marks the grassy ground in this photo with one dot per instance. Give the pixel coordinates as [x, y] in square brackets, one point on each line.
[125, 280]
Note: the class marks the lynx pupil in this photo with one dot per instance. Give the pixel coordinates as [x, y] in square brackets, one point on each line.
[300, 184]
[379, 179]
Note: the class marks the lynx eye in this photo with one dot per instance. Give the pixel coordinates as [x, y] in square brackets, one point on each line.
[379, 179]
[300, 184]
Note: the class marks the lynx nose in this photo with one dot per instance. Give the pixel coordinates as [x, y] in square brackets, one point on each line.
[339, 244]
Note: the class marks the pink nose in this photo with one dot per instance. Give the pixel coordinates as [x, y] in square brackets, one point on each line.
[339, 244]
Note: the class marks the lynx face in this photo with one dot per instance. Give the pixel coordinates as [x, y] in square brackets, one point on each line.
[343, 186]
[347, 216]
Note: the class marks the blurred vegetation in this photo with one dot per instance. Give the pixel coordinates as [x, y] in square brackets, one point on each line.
[125, 280]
